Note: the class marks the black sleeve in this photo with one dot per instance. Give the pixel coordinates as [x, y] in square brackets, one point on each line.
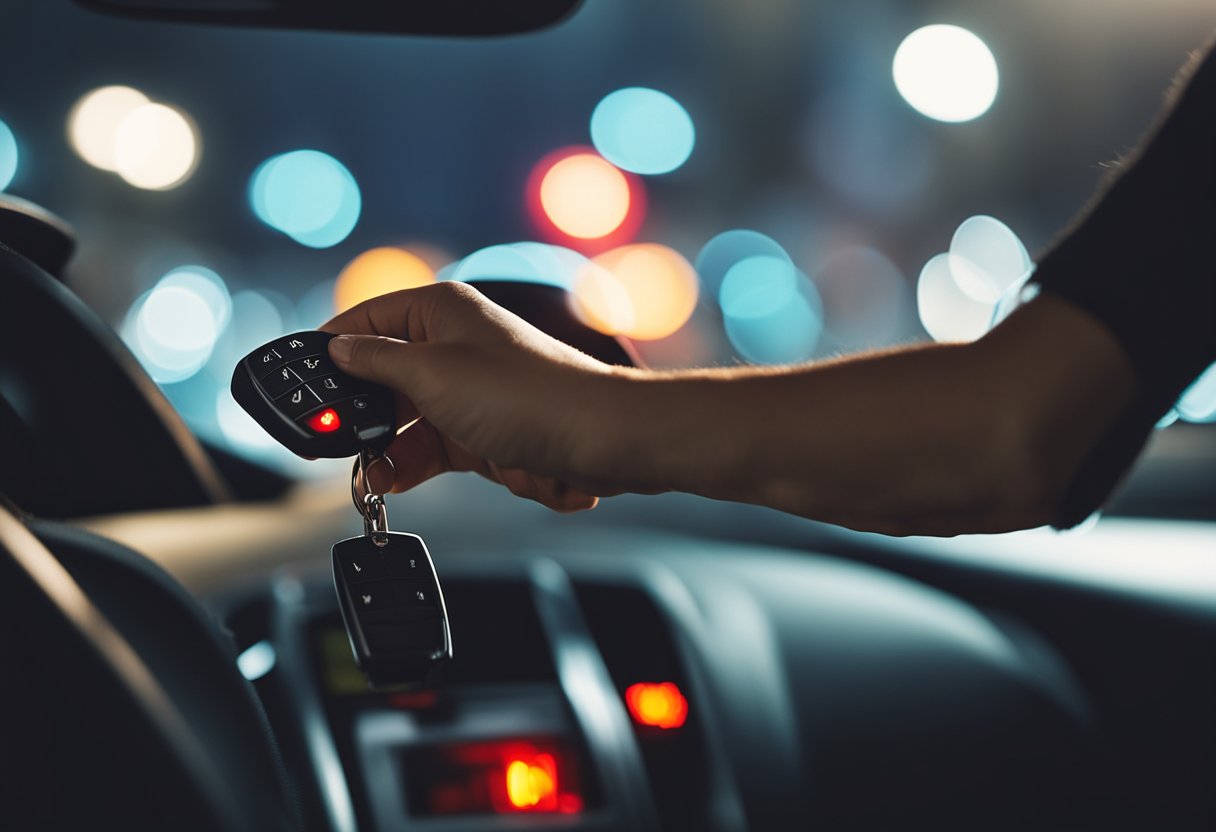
[1142, 261]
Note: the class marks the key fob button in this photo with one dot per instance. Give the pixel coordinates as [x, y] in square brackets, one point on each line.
[301, 344]
[279, 382]
[415, 594]
[405, 565]
[361, 568]
[331, 387]
[299, 401]
[371, 597]
[265, 361]
[311, 367]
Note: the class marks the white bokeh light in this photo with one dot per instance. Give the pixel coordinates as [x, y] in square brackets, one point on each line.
[94, 120]
[946, 73]
[155, 147]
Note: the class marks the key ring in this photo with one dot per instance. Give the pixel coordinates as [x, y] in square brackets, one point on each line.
[371, 507]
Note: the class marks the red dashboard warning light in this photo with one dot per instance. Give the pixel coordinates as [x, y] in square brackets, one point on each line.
[657, 704]
[326, 421]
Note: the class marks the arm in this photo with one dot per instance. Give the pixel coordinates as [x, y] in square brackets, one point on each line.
[938, 439]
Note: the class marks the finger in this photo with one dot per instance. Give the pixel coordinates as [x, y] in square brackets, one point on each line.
[376, 358]
[410, 314]
[548, 492]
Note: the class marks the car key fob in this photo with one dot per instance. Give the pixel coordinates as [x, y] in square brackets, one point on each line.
[293, 390]
[392, 607]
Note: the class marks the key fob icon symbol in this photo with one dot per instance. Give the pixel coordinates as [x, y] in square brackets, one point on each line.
[297, 396]
[311, 363]
[330, 384]
[367, 599]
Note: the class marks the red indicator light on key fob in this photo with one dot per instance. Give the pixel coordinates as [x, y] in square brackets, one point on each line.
[326, 421]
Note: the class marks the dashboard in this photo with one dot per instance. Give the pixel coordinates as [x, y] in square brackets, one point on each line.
[816, 688]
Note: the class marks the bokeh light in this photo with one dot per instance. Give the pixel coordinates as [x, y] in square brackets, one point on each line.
[308, 195]
[645, 291]
[238, 427]
[255, 319]
[1172, 415]
[642, 131]
[155, 147]
[786, 335]
[208, 285]
[757, 286]
[1198, 402]
[380, 271]
[948, 313]
[584, 196]
[946, 73]
[724, 251]
[94, 120]
[174, 327]
[986, 258]
[866, 302]
[580, 200]
[527, 262]
[8, 156]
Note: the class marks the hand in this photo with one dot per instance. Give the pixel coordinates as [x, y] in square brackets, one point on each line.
[479, 388]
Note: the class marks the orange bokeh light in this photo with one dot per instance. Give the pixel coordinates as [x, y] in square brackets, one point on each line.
[532, 783]
[379, 271]
[660, 704]
[585, 196]
[646, 291]
[579, 199]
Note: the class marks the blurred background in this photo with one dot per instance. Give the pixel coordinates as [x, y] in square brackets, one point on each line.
[719, 182]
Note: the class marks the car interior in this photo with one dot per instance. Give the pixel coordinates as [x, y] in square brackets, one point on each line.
[174, 652]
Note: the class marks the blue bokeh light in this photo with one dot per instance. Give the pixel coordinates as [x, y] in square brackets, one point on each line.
[208, 285]
[642, 131]
[724, 251]
[757, 287]
[308, 195]
[788, 335]
[8, 156]
[528, 262]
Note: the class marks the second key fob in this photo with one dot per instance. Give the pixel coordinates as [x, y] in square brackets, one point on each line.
[293, 390]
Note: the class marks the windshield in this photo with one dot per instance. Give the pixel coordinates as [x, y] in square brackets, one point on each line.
[763, 182]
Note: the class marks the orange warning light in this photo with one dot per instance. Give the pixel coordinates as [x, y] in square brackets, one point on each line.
[660, 705]
[532, 783]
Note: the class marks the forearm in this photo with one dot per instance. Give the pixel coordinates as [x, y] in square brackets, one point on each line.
[937, 439]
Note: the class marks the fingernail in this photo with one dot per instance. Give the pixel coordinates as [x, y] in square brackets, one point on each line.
[342, 348]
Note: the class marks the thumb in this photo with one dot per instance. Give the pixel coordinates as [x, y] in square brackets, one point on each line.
[383, 360]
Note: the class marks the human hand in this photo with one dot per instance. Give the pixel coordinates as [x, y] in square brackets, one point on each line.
[479, 388]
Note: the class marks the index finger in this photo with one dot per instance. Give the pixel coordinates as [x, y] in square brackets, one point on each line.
[408, 314]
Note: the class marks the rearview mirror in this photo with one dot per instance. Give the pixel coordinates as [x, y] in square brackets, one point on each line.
[414, 17]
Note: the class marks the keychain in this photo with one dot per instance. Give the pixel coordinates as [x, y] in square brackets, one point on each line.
[387, 587]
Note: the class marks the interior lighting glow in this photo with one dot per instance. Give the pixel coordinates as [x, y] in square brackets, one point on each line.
[380, 271]
[256, 660]
[8, 156]
[1198, 402]
[946, 73]
[646, 291]
[308, 195]
[660, 705]
[532, 783]
[642, 131]
[93, 123]
[155, 147]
